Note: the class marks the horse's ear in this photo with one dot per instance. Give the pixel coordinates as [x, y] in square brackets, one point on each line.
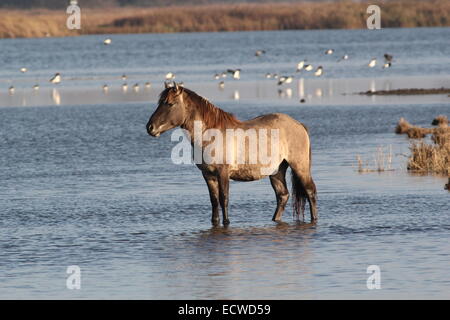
[166, 85]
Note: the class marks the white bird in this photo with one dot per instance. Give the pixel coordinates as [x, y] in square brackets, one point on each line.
[329, 51]
[275, 76]
[344, 57]
[148, 85]
[23, 70]
[308, 67]
[285, 79]
[223, 74]
[372, 63]
[387, 65]
[11, 90]
[259, 52]
[107, 41]
[105, 88]
[36, 87]
[217, 76]
[136, 87]
[300, 65]
[170, 76]
[319, 71]
[268, 75]
[56, 78]
[236, 73]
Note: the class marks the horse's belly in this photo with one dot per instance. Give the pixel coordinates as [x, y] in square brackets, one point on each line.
[251, 173]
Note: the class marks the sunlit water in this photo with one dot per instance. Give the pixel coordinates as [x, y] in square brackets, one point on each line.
[83, 184]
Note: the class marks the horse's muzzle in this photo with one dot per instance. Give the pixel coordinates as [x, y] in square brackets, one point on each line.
[151, 131]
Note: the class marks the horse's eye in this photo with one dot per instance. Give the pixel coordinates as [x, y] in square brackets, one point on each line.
[170, 104]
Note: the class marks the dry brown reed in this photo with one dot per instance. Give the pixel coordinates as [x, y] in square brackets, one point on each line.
[225, 17]
[428, 157]
[382, 161]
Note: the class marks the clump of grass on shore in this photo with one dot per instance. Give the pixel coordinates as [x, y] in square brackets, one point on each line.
[225, 17]
[426, 157]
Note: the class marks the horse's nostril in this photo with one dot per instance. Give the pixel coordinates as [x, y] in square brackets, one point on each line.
[149, 128]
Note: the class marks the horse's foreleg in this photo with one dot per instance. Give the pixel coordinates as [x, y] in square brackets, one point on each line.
[278, 182]
[224, 186]
[213, 188]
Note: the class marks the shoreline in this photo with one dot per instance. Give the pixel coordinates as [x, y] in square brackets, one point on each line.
[39, 23]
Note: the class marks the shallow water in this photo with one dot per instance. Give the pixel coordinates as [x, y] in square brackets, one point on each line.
[83, 184]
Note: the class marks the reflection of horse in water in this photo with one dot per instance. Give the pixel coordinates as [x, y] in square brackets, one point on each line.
[181, 107]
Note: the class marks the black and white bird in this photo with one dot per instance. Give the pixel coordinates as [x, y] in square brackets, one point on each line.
[105, 88]
[221, 85]
[235, 72]
[308, 67]
[36, 87]
[285, 80]
[148, 85]
[125, 87]
[387, 65]
[124, 77]
[136, 87]
[56, 78]
[319, 71]
[11, 90]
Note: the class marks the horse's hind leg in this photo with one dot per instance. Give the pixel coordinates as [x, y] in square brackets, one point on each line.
[278, 182]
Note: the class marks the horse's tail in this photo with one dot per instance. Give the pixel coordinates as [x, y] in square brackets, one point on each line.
[299, 190]
[299, 195]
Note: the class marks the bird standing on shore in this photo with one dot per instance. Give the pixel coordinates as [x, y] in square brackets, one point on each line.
[319, 71]
[285, 80]
[170, 76]
[11, 90]
[300, 65]
[56, 78]
[235, 72]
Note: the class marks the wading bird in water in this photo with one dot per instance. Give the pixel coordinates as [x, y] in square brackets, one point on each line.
[181, 107]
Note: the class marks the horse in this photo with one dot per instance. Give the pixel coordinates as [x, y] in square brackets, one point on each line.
[181, 107]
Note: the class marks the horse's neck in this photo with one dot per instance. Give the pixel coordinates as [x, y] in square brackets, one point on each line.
[191, 124]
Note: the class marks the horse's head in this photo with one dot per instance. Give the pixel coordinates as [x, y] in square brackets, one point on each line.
[170, 112]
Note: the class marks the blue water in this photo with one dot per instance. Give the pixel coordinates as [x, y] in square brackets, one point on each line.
[85, 185]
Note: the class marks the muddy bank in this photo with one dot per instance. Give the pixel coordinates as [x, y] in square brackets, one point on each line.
[411, 91]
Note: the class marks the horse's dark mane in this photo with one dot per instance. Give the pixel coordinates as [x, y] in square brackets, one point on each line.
[212, 116]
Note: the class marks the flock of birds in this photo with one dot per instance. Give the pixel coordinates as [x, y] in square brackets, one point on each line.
[302, 66]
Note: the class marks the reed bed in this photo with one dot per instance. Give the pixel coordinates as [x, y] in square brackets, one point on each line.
[428, 157]
[225, 17]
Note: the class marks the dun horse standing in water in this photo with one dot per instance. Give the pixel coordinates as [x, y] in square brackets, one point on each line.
[181, 107]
